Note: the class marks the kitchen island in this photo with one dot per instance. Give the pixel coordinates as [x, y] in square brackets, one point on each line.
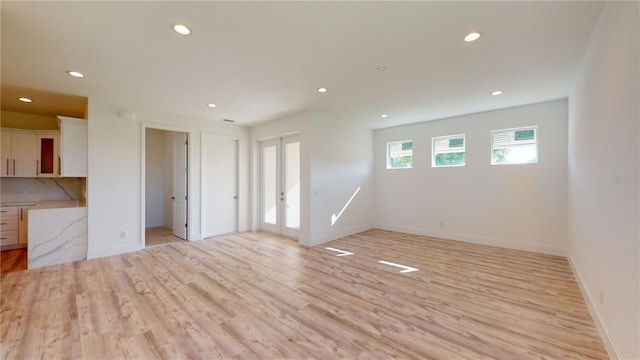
[57, 233]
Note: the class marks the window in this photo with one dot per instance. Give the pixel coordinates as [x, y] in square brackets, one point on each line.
[514, 146]
[448, 151]
[400, 154]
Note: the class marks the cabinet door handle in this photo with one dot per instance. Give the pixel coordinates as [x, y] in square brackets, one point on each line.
[14, 167]
[37, 167]
[21, 213]
[7, 166]
[3, 238]
[3, 223]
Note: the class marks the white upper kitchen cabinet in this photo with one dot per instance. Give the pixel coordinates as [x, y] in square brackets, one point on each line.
[19, 153]
[73, 147]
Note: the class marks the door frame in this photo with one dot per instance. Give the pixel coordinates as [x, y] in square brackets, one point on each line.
[280, 142]
[143, 170]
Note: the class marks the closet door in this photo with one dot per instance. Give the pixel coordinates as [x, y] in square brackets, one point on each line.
[219, 185]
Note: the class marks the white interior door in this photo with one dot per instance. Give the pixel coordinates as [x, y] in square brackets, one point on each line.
[219, 185]
[180, 170]
[280, 186]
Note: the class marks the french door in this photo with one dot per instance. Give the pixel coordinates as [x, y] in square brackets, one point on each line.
[280, 186]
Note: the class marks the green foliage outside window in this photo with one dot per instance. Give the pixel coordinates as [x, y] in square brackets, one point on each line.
[400, 161]
[500, 155]
[450, 159]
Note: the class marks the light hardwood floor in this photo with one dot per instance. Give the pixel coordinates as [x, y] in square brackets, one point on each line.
[258, 296]
[13, 260]
[160, 236]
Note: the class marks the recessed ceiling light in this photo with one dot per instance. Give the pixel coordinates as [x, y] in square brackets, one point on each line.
[24, 99]
[473, 36]
[75, 74]
[322, 90]
[181, 29]
[384, 115]
[211, 105]
[497, 92]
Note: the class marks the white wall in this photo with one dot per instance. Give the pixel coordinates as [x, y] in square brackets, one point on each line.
[155, 168]
[514, 206]
[116, 170]
[336, 158]
[603, 202]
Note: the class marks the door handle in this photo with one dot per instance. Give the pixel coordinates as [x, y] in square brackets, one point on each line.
[37, 167]
[7, 166]
[14, 167]
[235, 197]
[173, 198]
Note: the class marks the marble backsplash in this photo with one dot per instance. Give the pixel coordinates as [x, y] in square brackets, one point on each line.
[42, 189]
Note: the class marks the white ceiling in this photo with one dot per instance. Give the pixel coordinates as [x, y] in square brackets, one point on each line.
[262, 60]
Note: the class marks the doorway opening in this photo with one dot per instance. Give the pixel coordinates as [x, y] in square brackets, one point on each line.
[166, 186]
[280, 186]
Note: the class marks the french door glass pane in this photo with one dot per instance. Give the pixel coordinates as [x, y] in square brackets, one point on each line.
[270, 186]
[292, 185]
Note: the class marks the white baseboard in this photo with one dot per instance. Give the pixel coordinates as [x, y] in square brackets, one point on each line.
[98, 253]
[543, 249]
[604, 334]
[338, 235]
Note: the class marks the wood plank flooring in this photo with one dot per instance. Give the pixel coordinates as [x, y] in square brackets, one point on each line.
[13, 260]
[258, 296]
[160, 235]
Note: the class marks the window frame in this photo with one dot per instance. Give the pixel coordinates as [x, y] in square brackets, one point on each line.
[388, 154]
[450, 137]
[537, 141]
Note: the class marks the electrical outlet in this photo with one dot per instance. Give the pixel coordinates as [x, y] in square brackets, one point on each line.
[123, 234]
[601, 297]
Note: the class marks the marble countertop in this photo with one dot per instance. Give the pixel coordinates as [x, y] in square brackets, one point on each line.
[39, 205]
